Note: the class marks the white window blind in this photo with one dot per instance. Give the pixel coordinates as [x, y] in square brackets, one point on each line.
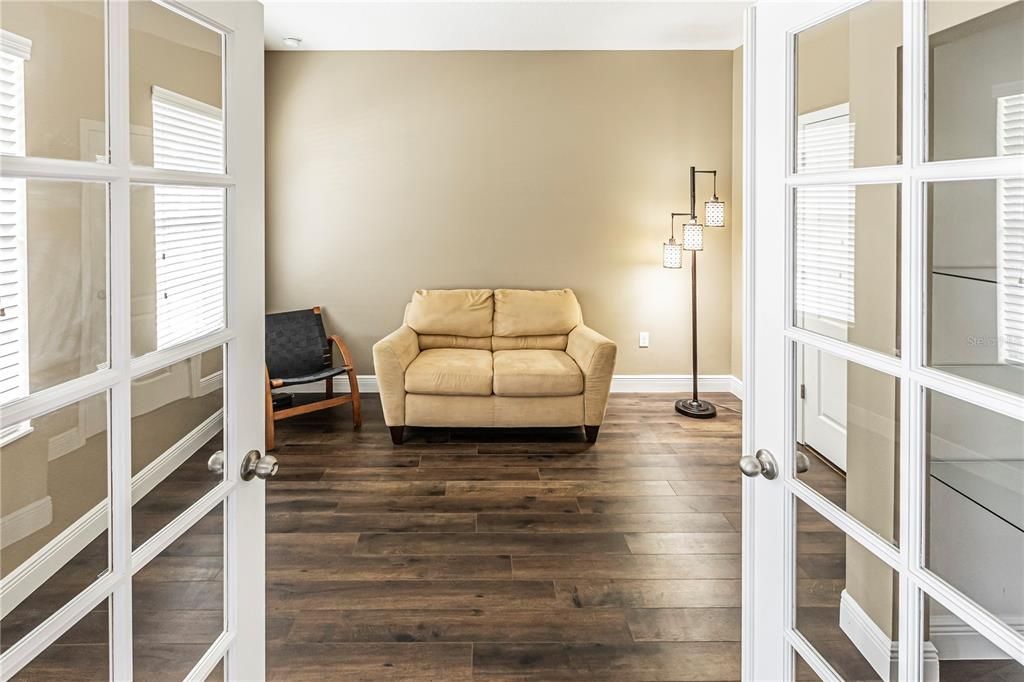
[1010, 231]
[189, 221]
[13, 254]
[825, 218]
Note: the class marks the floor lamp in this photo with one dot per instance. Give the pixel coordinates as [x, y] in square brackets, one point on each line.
[672, 257]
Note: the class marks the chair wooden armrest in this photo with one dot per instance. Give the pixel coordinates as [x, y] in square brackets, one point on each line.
[346, 356]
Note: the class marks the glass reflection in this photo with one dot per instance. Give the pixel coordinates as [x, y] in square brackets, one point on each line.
[53, 87]
[847, 70]
[975, 79]
[976, 257]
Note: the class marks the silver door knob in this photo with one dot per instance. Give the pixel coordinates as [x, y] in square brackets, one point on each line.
[761, 463]
[255, 466]
[216, 462]
[803, 463]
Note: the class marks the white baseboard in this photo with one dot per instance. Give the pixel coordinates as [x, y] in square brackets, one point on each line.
[957, 641]
[880, 651]
[24, 521]
[621, 383]
[51, 557]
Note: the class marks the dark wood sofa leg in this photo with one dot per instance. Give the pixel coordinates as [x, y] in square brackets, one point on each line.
[397, 434]
[591, 432]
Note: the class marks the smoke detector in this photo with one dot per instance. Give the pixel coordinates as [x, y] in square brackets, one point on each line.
[292, 42]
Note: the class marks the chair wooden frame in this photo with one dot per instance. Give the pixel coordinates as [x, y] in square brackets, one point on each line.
[330, 400]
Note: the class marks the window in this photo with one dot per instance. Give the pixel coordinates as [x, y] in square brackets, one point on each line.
[14, 50]
[1010, 231]
[189, 230]
[825, 217]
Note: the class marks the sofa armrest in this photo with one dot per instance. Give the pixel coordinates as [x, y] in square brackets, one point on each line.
[595, 355]
[392, 355]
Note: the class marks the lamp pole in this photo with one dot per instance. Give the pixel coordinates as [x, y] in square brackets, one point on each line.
[695, 407]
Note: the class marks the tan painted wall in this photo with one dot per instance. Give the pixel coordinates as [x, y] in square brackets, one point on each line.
[388, 172]
[736, 216]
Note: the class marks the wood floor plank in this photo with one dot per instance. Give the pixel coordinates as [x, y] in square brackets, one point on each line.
[330, 522]
[339, 595]
[642, 661]
[345, 567]
[561, 488]
[520, 544]
[697, 472]
[602, 523]
[651, 566]
[653, 505]
[450, 504]
[370, 661]
[437, 474]
[706, 487]
[467, 625]
[684, 543]
[685, 624]
[649, 594]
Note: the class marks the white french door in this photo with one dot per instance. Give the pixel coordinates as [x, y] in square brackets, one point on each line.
[910, 563]
[131, 545]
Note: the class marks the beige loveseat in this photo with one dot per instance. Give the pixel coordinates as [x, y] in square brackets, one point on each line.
[503, 357]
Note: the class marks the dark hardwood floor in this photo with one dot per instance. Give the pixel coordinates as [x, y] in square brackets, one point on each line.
[507, 554]
[475, 554]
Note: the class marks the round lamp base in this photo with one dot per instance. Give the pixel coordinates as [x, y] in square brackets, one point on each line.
[697, 409]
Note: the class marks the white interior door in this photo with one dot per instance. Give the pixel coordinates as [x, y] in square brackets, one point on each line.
[908, 562]
[131, 546]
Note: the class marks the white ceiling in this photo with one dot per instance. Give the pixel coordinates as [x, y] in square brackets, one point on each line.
[505, 25]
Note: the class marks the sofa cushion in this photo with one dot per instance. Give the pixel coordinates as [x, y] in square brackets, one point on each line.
[518, 312]
[455, 312]
[524, 373]
[428, 341]
[540, 341]
[450, 371]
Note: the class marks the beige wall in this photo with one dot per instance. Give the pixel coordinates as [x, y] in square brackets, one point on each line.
[736, 216]
[391, 171]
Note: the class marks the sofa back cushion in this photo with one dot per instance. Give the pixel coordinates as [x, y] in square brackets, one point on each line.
[518, 312]
[452, 312]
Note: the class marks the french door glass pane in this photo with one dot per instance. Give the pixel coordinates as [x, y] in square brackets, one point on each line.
[961, 652]
[217, 674]
[52, 59]
[976, 280]
[176, 91]
[53, 283]
[975, 516]
[804, 672]
[177, 264]
[54, 481]
[846, 600]
[81, 654]
[846, 263]
[178, 602]
[975, 79]
[177, 426]
[846, 89]
[848, 431]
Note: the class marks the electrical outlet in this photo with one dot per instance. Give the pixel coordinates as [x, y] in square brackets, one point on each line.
[645, 339]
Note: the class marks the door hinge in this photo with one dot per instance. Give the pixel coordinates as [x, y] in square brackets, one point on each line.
[803, 392]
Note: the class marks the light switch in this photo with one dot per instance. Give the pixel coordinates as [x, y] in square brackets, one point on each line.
[645, 339]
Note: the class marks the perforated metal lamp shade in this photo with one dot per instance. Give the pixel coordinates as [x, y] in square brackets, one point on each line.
[693, 236]
[714, 212]
[672, 254]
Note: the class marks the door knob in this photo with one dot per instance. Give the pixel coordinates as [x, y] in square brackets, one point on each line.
[763, 463]
[216, 462]
[803, 463]
[255, 466]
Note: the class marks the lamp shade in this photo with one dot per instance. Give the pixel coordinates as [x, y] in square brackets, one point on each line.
[672, 254]
[693, 236]
[714, 213]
